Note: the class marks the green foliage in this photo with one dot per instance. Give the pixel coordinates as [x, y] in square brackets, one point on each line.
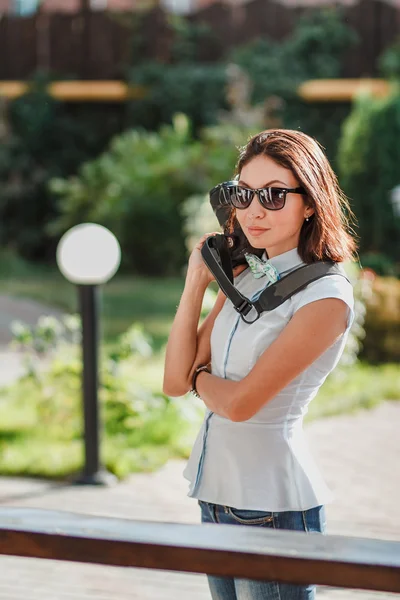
[190, 39]
[44, 140]
[369, 158]
[136, 189]
[50, 140]
[382, 324]
[141, 428]
[380, 264]
[182, 81]
[196, 89]
[314, 50]
[389, 62]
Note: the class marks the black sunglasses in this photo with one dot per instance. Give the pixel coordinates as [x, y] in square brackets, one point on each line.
[271, 198]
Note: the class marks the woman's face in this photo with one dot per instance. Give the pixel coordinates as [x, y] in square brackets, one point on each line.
[276, 231]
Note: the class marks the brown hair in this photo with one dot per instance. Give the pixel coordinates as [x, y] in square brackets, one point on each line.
[328, 234]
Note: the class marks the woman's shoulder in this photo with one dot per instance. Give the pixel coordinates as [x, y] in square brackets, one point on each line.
[330, 286]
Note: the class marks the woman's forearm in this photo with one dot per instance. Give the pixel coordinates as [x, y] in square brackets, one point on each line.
[219, 395]
[182, 341]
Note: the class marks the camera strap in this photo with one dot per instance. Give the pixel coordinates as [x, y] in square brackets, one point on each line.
[215, 253]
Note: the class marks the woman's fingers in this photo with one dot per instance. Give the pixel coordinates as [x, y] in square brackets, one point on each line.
[204, 237]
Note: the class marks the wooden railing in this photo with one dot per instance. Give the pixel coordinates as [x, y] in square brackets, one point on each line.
[274, 555]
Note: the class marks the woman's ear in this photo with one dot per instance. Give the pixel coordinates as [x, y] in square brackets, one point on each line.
[309, 211]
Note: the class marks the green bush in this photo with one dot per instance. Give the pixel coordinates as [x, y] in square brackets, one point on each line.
[389, 62]
[185, 83]
[182, 81]
[45, 139]
[369, 158]
[382, 323]
[141, 429]
[380, 264]
[196, 89]
[137, 188]
[51, 140]
[315, 50]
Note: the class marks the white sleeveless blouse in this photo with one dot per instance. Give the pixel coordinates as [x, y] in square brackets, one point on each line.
[264, 463]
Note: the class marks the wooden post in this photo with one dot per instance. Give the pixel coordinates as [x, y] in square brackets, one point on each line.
[86, 35]
[43, 58]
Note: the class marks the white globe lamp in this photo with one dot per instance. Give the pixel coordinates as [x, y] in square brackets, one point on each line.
[88, 254]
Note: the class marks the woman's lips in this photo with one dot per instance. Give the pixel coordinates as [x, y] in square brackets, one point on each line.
[256, 231]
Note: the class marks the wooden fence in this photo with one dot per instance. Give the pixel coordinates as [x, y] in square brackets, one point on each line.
[99, 45]
[230, 551]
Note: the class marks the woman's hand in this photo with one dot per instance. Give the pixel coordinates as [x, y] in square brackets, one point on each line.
[198, 267]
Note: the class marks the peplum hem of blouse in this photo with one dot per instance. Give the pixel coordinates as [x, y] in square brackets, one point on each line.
[275, 473]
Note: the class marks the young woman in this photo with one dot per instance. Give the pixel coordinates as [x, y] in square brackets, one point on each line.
[250, 464]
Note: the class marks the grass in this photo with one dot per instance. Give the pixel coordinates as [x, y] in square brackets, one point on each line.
[25, 450]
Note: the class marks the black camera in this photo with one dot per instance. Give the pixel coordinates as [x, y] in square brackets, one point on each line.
[237, 242]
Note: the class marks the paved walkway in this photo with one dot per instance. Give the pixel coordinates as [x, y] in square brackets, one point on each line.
[358, 454]
[27, 311]
[20, 309]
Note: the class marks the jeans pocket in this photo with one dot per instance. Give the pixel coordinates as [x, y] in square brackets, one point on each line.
[251, 517]
[314, 519]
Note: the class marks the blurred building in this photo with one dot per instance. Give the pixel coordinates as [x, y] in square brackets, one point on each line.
[29, 7]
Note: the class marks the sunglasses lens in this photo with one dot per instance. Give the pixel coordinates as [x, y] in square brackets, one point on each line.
[276, 199]
[239, 197]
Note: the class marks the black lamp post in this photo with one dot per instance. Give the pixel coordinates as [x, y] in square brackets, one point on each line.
[89, 255]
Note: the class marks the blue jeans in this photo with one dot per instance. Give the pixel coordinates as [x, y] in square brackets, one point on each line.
[226, 588]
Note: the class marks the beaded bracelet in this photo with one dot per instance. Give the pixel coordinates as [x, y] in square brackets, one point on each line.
[195, 375]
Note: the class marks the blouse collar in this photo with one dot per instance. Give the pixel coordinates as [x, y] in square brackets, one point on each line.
[286, 261]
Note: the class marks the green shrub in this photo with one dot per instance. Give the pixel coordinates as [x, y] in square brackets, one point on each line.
[182, 81]
[142, 428]
[137, 188]
[380, 264]
[186, 83]
[369, 158]
[45, 139]
[196, 89]
[315, 50]
[389, 62]
[382, 323]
